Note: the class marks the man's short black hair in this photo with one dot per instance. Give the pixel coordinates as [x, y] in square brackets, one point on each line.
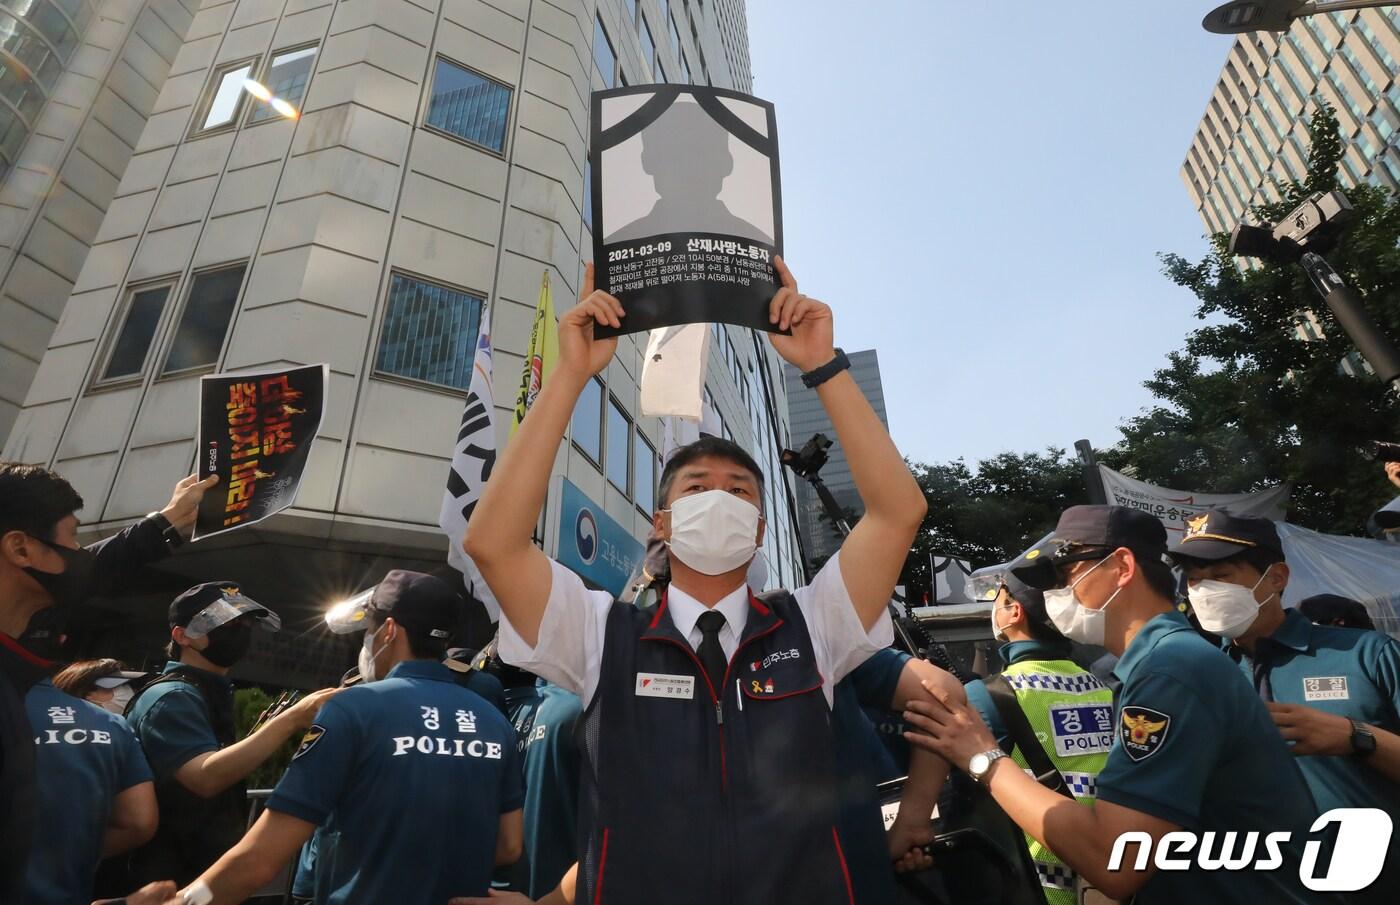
[34, 500]
[717, 447]
[421, 645]
[1334, 609]
[1158, 575]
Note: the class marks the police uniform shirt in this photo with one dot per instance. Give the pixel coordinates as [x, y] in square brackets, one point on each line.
[873, 686]
[1345, 671]
[410, 776]
[569, 651]
[861, 762]
[172, 722]
[1196, 746]
[544, 718]
[85, 758]
[1348, 672]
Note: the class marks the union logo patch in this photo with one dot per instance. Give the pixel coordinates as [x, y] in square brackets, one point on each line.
[1143, 731]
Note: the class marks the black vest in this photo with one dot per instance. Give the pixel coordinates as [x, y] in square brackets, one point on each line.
[194, 832]
[725, 797]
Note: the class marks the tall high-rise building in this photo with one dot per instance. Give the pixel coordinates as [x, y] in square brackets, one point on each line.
[1254, 135]
[820, 536]
[368, 183]
[78, 79]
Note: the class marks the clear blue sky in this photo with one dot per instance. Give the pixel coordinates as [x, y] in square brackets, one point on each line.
[980, 190]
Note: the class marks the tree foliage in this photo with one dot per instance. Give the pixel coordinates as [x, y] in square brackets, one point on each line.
[1245, 404]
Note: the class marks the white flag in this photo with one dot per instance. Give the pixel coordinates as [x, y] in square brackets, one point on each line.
[472, 460]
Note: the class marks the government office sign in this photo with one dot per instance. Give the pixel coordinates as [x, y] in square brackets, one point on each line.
[592, 543]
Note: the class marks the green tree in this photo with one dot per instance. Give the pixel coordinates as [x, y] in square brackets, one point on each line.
[989, 514]
[1248, 403]
[248, 703]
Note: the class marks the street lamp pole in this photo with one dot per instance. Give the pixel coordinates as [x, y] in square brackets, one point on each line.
[1243, 16]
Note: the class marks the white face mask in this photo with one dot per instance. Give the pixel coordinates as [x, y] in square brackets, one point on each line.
[713, 532]
[999, 631]
[367, 655]
[1075, 620]
[1225, 609]
[121, 696]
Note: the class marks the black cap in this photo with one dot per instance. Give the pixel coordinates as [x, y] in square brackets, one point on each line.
[1030, 599]
[1087, 532]
[419, 602]
[1217, 535]
[192, 602]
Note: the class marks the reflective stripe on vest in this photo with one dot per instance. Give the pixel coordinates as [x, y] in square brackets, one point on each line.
[1040, 685]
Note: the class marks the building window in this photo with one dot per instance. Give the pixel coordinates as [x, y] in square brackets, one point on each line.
[429, 333]
[644, 475]
[604, 56]
[226, 95]
[469, 106]
[284, 84]
[631, 9]
[587, 422]
[205, 320]
[619, 441]
[132, 347]
[648, 45]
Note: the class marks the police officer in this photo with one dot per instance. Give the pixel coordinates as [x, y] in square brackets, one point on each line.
[1060, 708]
[95, 791]
[1334, 693]
[185, 722]
[709, 766]
[545, 717]
[414, 777]
[1194, 746]
[43, 574]
[472, 669]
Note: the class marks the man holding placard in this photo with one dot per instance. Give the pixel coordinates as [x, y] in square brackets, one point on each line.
[708, 766]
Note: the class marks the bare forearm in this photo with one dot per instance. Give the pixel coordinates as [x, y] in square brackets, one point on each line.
[887, 489]
[118, 840]
[505, 517]
[215, 772]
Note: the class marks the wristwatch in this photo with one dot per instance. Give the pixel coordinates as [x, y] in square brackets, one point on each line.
[818, 376]
[981, 764]
[1363, 743]
[168, 532]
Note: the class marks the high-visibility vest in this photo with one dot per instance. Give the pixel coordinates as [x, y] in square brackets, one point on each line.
[1040, 685]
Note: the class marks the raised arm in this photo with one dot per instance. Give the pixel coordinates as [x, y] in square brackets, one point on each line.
[500, 534]
[873, 556]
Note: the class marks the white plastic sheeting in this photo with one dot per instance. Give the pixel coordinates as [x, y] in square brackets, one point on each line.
[1356, 567]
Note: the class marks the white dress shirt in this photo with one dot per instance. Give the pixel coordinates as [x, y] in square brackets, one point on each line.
[569, 651]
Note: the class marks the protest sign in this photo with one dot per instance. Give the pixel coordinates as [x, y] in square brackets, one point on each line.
[687, 211]
[255, 433]
[1174, 507]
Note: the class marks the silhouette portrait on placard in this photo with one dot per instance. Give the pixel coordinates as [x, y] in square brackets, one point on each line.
[688, 157]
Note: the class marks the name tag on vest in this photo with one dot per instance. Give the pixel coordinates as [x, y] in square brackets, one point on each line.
[1326, 688]
[659, 685]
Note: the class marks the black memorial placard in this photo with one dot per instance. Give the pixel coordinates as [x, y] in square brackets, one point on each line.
[687, 206]
[255, 433]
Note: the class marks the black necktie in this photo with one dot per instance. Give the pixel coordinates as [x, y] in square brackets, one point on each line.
[1263, 666]
[711, 653]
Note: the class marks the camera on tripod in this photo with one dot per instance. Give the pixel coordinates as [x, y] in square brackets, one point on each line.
[1381, 451]
[1315, 225]
[810, 459]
